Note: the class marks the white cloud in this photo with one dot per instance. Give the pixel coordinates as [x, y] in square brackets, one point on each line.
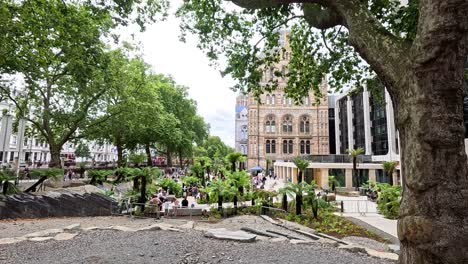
[190, 67]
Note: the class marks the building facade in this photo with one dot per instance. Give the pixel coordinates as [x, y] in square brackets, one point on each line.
[367, 121]
[241, 120]
[17, 145]
[361, 120]
[278, 128]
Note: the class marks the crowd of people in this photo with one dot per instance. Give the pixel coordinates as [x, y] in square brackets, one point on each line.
[164, 202]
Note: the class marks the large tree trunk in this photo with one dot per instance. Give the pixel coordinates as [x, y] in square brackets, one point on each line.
[169, 158]
[181, 163]
[433, 221]
[120, 160]
[148, 155]
[55, 161]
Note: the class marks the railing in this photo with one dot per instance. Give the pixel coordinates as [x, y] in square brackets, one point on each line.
[338, 158]
[356, 206]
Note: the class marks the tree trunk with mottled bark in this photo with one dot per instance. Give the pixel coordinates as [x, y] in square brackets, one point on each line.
[148, 155]
[55, 161]
[433, 221]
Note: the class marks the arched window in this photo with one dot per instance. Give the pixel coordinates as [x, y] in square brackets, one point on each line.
[302, 147]
[273, 99]
[270, 124]
[273, 146]
[287, 124]
[290, 146]
[268, 99]
[283, 72]
[244, 132]
[308, 147]
[285, 146]
[304, 126]
[268, 146]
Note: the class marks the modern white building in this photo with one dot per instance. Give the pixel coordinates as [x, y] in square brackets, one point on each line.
[366, 121]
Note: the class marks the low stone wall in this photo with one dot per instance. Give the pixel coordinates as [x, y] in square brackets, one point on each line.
[54, 204]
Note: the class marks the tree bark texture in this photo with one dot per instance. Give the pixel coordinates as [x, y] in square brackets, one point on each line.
[55, 161]
[169, 158]
[148, 155]
[433, 221]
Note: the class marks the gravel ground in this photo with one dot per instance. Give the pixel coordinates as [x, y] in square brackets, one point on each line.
[366, 242]
[16, 228]
[171, 247]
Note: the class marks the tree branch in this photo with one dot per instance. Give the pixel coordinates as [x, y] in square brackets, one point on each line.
[258, 4]
[386, 53]
[320, 17]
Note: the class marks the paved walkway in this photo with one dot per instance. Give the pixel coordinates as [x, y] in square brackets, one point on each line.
[366, 211]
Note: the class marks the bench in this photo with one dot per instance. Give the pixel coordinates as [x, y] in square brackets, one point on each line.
[185, 211]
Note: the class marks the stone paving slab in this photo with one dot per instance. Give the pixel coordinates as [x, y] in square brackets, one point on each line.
[224, 234]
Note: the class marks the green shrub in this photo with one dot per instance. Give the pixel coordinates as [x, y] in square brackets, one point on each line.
[322, 204]
[388, 202]
[171, 186]
[54, 173]
[190, 180]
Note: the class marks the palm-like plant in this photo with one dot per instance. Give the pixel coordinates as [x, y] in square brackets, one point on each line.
[389, 167]
[51, 173]
[98, 176]
[298, 189]
[219, 190]
[238, 180]
[354, 153]
[197, 170]
[206, 164]
[233, 158]
[8, 187]
[301, 165]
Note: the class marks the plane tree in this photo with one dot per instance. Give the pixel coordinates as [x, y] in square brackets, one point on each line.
[55, 67]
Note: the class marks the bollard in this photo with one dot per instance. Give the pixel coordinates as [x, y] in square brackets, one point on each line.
[342, 206]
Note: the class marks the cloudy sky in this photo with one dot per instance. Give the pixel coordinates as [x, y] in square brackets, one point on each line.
[190, 67]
